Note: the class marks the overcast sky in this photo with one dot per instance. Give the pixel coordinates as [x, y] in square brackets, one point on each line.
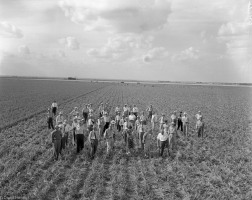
[175, 40]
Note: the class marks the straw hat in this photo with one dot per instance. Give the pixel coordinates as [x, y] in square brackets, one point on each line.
[113, 122]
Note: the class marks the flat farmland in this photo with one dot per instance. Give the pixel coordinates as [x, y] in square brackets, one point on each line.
[22, 98]
[218, 166]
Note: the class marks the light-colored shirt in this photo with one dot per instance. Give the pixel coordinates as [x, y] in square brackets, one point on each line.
[90, 122]
[117, 118]
[199, 124]
[165, 126]
[108, 134]
[154, 118]
[54, 105]
[140, 128]
[59, 119]
[135, 109]
[163, 137]
[106, 118]
[198, 116]
[132, 117]
[92, 135]
[125, 125]
[185, 120]
[172, 130]
[117, 109]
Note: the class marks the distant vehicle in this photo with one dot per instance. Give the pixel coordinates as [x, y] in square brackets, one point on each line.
[71, 78]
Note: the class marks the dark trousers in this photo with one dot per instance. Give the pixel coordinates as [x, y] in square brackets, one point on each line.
[50, 123]
[163, 144]
[54, 110]
[85, 116]
[63, 143]
[94, 145]
[200, 131]
[80, 142]
[135, 113]
[57, 148]
[180, 125]
[74, 130]
[118, 126]
[150, 115]
[125, 136]
[105, 127]
[66, 138]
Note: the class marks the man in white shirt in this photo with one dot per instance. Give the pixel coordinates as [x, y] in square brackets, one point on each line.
[54, 107]
[117, 110]
[135, 110]
[125, 111]
[172, 136]
[198, 115]
[162, 140]
[132, 119]
[59, 118]
[73, 113]
[154, 119]
[185, 122]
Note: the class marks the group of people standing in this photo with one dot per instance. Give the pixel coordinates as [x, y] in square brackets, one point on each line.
[126, 122]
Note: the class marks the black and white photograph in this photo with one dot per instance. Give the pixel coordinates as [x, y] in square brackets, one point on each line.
[126, 99]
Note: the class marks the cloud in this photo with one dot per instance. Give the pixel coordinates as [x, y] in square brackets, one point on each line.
[155, 54]
[8, 30]
[188, 54]
[121, 46]
[233, 28]
[24, 50]
[70, 42]
[117, 16]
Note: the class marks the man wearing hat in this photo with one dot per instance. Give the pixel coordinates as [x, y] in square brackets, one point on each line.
[60, 118]
[180, 124]
[50, 119]
[200, 127]
[117, 110]
[106, 119]
[185, 122]
[172, 134]
[85, 113]
[108, 135]
[54, 107]
[56, 140]
[74, 112]
[161, 121]
[79, 137]
[198, 115]
[150, 111]
[174, 118]
[93, 140]
[135, 110]
[101, 109]
[125, 111]
[74, 126]
[66, 130]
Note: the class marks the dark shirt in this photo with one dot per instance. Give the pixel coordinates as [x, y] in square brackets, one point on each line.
[56, 135]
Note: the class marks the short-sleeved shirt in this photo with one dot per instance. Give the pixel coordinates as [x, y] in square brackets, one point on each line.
[199, 124]
[132, 117]
[165, 126]
[163, 137]
[198, 116]
[135, 109]
[117, 118]
[54, 105]
[92, 135]
[109, 134]
[185, 119]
